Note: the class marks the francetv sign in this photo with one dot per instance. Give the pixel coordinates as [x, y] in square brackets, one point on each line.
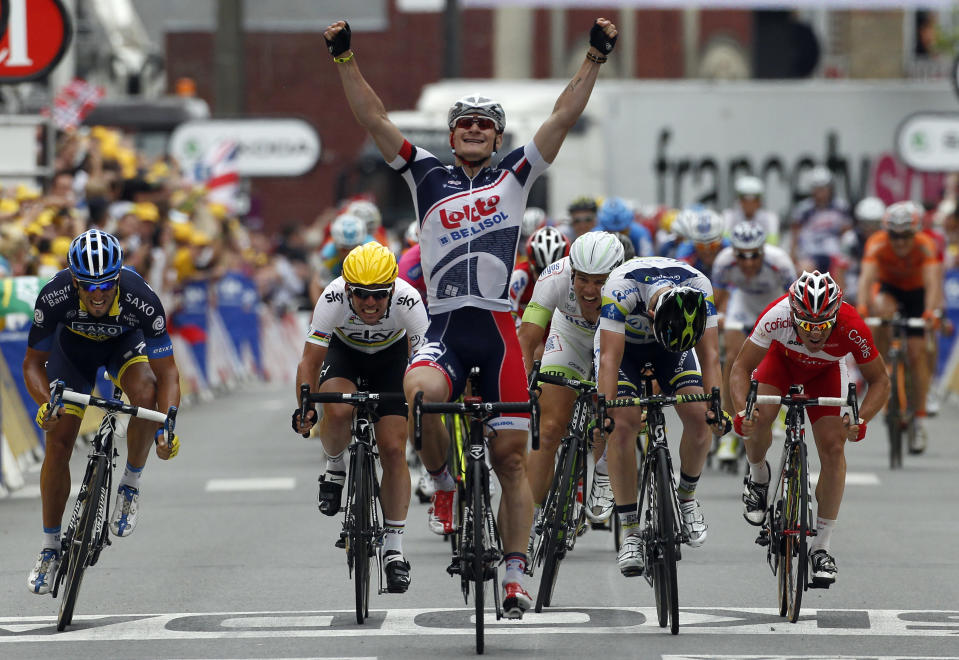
[266, 146]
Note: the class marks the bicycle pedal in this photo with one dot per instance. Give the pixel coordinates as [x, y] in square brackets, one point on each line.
[763, 538]
[454, 568]
[815, 584]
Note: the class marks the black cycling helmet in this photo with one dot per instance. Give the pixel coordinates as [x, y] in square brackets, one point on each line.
[679, 318]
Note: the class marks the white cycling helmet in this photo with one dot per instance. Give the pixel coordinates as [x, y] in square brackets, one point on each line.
[699, 225]
[475, 104]
[870, 209]
[545, 246]
[902, 216]
[533, 219]
[366, 211]
[749, 186]
[596, 253]
[412, 233]
[348, 231]
[819, 177]
[748, 236]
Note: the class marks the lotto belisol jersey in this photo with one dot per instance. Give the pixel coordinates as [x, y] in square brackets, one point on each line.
[754, 293]
[469, 228]
[775, 331]
[555, 301]
[630, 286]
[136, 307]
[334, 316]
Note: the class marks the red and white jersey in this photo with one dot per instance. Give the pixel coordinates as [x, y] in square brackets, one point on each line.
[775, 331]
[521, 284]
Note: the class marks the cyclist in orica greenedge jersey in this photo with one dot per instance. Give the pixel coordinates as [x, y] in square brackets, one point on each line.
[96, 313]
[650, 304]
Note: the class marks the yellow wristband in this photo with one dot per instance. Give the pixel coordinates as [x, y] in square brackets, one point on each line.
[42, 413]
[343, 60]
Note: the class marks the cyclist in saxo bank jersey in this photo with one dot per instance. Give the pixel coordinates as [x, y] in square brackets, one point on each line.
[96, 313]
[470, 217]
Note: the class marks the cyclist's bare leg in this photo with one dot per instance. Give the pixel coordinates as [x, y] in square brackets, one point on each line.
[734, 341]
[139, 383]
[832, 458]
[55, 472]
[697, 438]
[508, 455]
[337, 418]
[432, 382]
[395, 485]
[556, 404]
[621, 453]
[919, 366]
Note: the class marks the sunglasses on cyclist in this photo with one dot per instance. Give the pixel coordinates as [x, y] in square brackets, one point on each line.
[755, 254]
[375, 294]
[712, 246]
[812, 326]
[900, 235]
[484, 123]
[90, 287]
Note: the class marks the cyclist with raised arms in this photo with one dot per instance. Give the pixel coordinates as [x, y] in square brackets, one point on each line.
[365, 325]
[93, 314]
[567, 299]
[803, 338]
[470, 216]
[746, 277]
[651, 304]
[904, 263]
[544, 247]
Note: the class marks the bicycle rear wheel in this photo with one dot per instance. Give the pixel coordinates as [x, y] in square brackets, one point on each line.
[361, 532]
[478, 520]
[80, 541]
[665, 579]
[794, 562]
[555, 523]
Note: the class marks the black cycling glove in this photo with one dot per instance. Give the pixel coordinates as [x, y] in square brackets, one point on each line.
[296, 418]
[599, 40]
[340, 43]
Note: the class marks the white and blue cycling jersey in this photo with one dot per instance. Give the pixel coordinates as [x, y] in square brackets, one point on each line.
[631, 285]
[469, 228]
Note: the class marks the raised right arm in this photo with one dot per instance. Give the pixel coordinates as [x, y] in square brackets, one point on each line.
[367, 107]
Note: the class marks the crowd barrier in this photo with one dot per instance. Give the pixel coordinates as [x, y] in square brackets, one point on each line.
[224, 336]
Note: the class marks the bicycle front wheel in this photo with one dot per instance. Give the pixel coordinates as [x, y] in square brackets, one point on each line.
[665, 579]
[80, 541]
[478, 519]
[361, 529]
[794, 561]
[456, 458]
[556, 523]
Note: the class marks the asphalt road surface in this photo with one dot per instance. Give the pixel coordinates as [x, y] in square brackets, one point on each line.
[231, 559]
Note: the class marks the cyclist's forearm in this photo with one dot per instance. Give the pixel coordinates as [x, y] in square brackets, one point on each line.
[168, 389]
[35, 376]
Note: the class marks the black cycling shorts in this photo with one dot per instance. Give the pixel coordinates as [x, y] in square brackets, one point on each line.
[75, 360]
[383, 371]
[911, 305]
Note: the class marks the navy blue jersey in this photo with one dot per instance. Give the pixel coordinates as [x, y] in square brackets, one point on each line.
[137, 307]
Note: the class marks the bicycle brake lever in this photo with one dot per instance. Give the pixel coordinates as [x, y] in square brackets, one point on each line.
[853, 403]
[304, 404]
[418, 421]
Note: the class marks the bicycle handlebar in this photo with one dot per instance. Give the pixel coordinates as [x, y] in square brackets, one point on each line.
[876, 321]
[581, 386]
[475, 408]
[663, 399]
[754, 398]
[168, 419]
[351, 398]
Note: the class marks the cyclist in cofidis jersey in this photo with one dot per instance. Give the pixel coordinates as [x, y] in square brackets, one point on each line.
[470, 216]
[651, 304]
[802, 339]
[93, 314]
[567, 299]
[905, 264]
[365, 325]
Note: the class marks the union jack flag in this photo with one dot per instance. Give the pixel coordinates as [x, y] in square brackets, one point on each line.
[74, 102]
[218, 173]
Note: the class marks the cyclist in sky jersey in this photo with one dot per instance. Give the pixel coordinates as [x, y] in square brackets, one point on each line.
[470, 216]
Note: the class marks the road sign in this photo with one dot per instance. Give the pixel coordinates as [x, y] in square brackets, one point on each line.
[37, 36]
[267, 146]
[929, 141]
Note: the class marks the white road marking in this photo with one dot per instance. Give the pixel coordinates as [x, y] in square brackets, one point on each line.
[234, 485]
[445, 622]
[852, 478]
[33, 490]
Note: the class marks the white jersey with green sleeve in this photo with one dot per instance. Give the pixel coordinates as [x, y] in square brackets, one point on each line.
[569, 346]
[630, 286]
[333, 315]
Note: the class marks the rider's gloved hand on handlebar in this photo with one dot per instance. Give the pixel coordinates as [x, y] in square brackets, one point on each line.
[742, 426]
[168, 445]
[720, 426]
[303, 426]
[47, 418]
[854, 432]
